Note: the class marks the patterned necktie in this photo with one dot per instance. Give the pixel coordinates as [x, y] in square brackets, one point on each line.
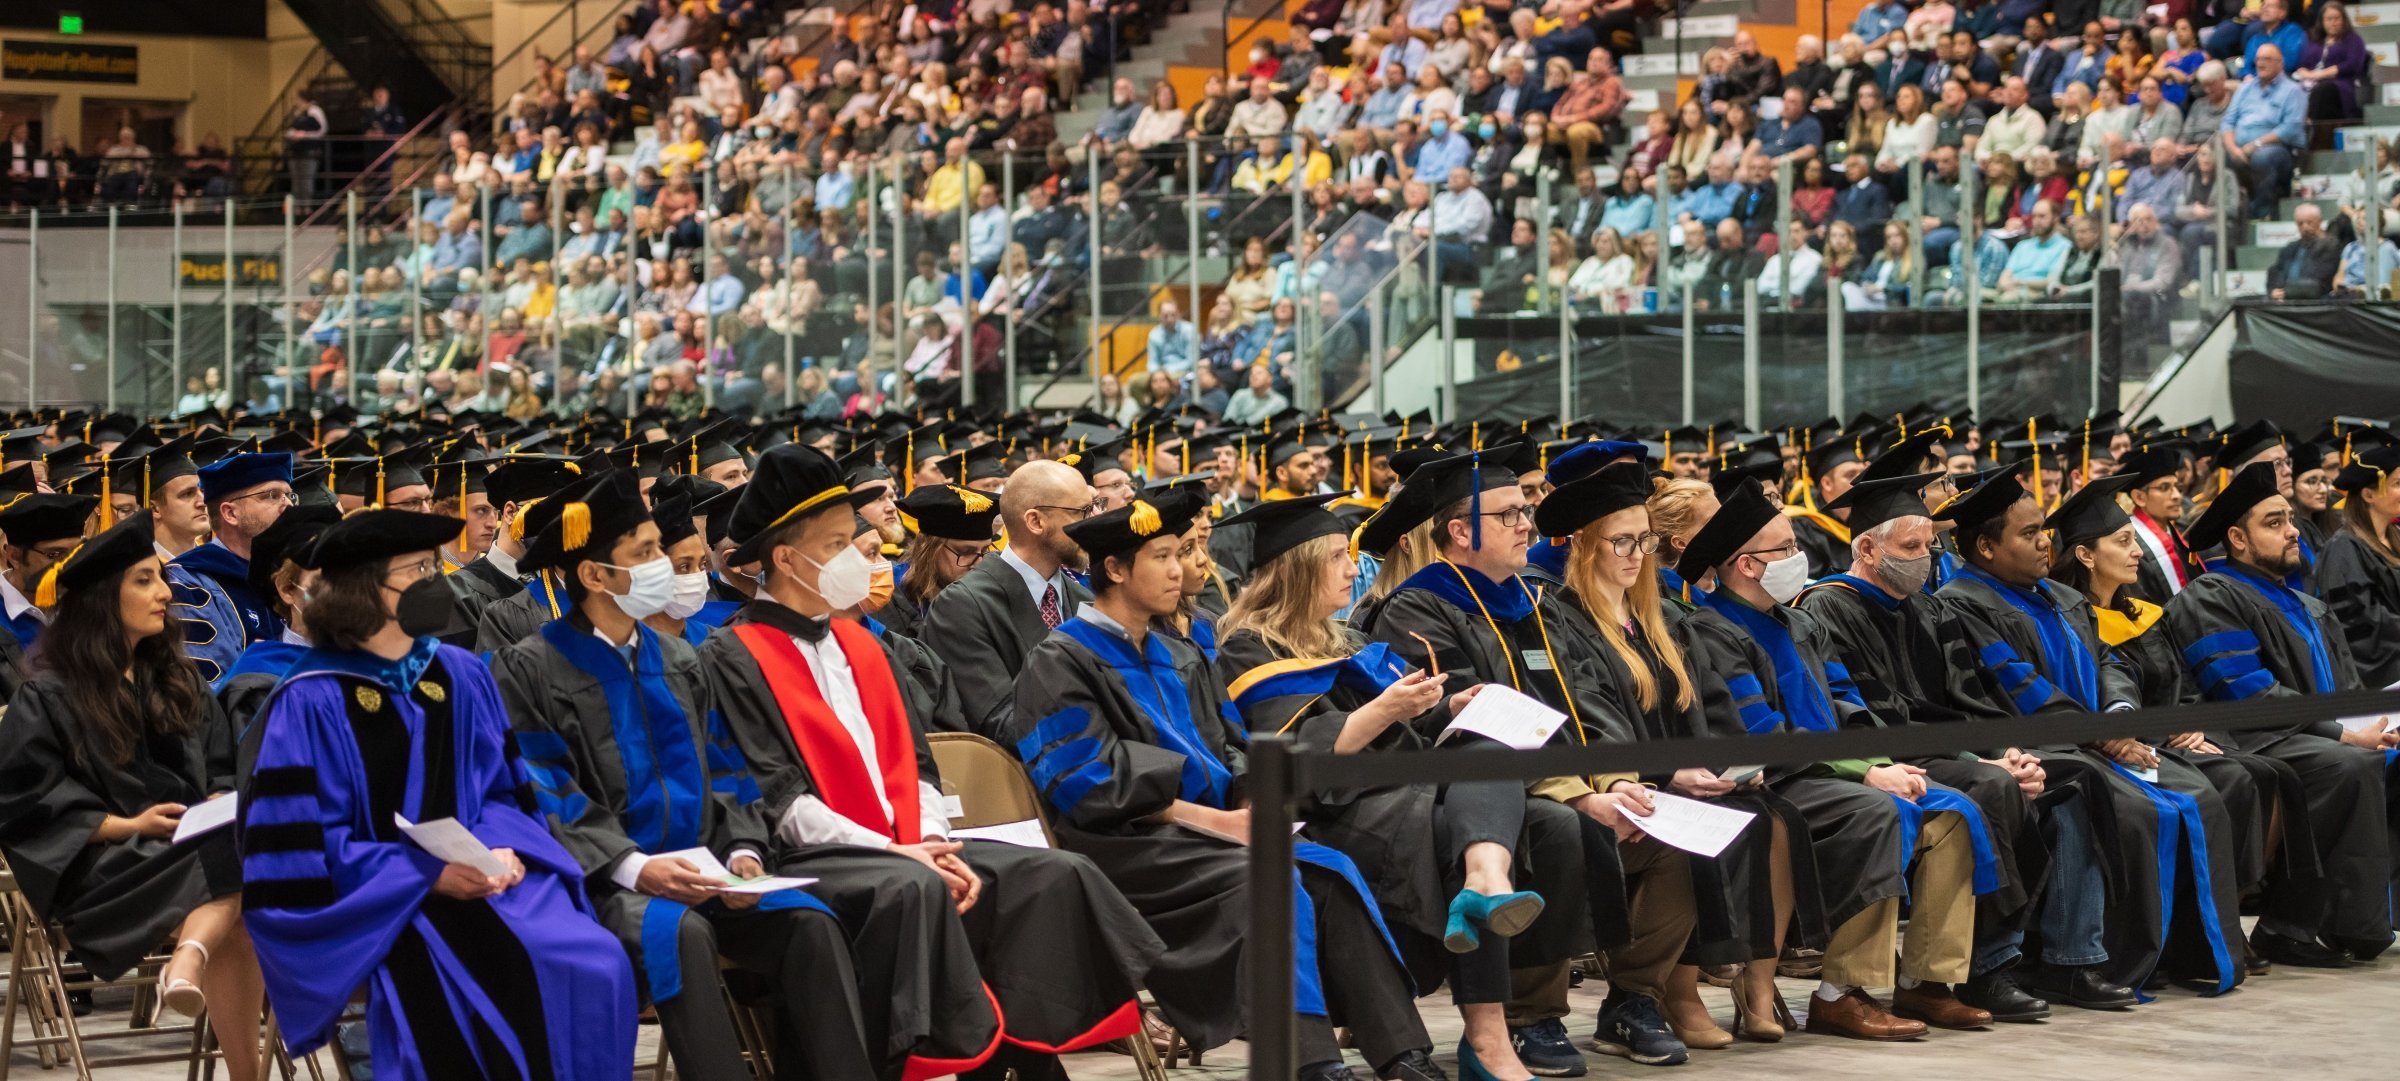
[1050, 617]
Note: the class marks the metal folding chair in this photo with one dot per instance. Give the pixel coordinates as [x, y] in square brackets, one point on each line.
[41, 975]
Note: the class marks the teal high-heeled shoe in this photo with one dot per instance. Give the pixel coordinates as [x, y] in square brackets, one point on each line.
[1471, 1068]
[1504, 914]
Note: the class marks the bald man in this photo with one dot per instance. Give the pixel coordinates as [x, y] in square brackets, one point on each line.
[985, 623]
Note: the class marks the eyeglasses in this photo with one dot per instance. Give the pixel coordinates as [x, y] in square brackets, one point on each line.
[1630, 543]
[1775, 554]
[1080, 513]
[419, 505]
[1512, 517]
[421, 569]
[966, 557]
[53, 555]
[284, 496]
[2319, 481]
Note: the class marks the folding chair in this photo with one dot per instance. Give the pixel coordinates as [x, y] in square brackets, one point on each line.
[992, 790]
[40, 978]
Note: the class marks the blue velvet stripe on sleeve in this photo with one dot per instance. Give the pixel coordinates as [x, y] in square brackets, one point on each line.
[1757, 716]
[1068, 770]
[1837, 680]
[2026, 688]
[545, 760]
[2225, 664]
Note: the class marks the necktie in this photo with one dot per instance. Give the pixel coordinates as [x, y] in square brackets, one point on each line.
[1050, 616]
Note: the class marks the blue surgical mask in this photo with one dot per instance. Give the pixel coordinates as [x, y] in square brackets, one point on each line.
[1439, 128]
[1486, 131]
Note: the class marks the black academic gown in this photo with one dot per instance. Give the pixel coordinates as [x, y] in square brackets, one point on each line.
[1857, 833]
[120, 900]
[2002, 665]
[1432, 610]
[2362, 590]
[1049, 947]
[475, 588]
[508, 620]
[12, 665]
[924, 681]
[1736, 906]
[2241, 636]
[1114, 735]
[1401, 837]
[984, 625]
[624, 764]
[2251, 784]
[1893, 652]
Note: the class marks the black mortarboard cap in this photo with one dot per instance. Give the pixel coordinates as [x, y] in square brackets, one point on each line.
[1580, 502]
[1278, 526]
[2253, 485]
[1133, 525]
[98, 559]
[2092, 512]
[1727, 532]
[1995, 490]
[39, 519]
[294, 530]
[1873, 502]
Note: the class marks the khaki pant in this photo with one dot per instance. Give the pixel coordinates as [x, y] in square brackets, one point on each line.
[1579, 139]
[1658, 897]
[1941, 926]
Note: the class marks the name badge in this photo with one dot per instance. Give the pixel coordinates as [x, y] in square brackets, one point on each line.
[953, 807]
[1537, 660]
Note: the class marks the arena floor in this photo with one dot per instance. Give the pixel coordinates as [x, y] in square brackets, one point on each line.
[2293, 1023]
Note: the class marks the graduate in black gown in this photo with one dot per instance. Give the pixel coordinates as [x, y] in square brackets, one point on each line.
[2158, 510]
[109, 742]
[1468, 613]
[688, 613]
[1749, 892]
[1441, 859]
[986, 622]
[2100, 556]
[1138, 758]
[542, 597]
[1879, 829]
[1884, 629]
[2358, 572]
[2021, 644]
[1005, 956]
[612, 718]
[2243, 634]
[467, 973]
[495, 575]
[1819, 527]
[954, 534]
[37, 530]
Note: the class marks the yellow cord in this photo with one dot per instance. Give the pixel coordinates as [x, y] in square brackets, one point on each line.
[1508, 652]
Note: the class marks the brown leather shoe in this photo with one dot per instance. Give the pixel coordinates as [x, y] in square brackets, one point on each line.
[1858, 1016]
[1934, 1004]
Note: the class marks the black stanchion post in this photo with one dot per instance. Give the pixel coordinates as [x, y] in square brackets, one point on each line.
[1272, 798]
[2110, 285]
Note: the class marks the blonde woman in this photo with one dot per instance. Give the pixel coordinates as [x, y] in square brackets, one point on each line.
[1252, 284]
[1613, 596]
[1440, 859]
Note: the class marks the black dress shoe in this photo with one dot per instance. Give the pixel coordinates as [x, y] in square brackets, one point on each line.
[2362, 951]
[2083, 988]
[2286, 950]
[1326, 1071]
[1412, 1066]
[1997, 993]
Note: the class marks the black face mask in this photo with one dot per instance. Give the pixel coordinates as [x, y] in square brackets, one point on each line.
[424, 608]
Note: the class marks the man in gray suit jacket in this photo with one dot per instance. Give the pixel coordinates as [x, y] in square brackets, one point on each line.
[985, 623]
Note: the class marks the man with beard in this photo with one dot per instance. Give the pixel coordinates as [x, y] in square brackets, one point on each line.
[220, 612]
[2244, 634]
[985, 623]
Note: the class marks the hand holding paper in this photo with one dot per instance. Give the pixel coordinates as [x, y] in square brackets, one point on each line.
[1703, 829]
[450, 842]
[1506, 716]
[207, 816]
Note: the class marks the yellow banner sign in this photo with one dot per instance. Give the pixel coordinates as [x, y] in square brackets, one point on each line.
[70, 62]
[252, 270]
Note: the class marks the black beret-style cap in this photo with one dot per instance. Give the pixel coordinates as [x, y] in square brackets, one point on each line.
[1129, 527]
[1734, 525]
[951, 512]
[365, 536]
[1281, 525]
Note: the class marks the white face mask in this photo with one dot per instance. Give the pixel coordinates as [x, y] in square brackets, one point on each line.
[691, 592]
[653, 587]
[1785, 578]
[844, 580]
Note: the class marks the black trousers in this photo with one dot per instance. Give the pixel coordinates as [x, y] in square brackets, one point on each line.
[803, 957]
[1466, 815]
[1371, 999]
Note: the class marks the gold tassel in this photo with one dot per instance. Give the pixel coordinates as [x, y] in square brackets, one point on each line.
[574, 526]
[1144, 519]
[516, 525]
[45, 594]
[973, 501]
[108, 506]
[378, 482]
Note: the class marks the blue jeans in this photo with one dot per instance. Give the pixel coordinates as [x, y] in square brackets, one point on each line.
[1937, 244]
[2074, 906]
[2270, 175]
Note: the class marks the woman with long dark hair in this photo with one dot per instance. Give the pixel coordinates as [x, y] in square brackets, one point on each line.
[954, 533]
[1439, 858]
[2358, 572]
[110, 742]
[485, 962]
